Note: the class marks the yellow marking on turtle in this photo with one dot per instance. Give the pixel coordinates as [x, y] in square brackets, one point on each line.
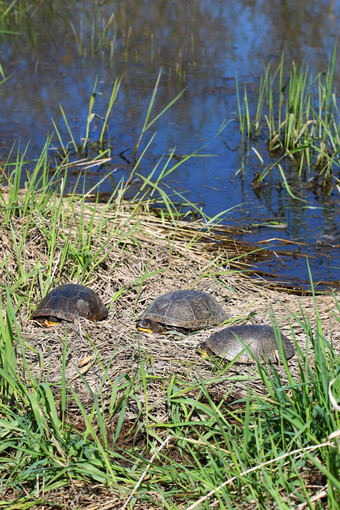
[146, 330]
[48, 323]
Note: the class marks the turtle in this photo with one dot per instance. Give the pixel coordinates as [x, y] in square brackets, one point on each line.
[68, 302]
[261, 340]
[181, 310]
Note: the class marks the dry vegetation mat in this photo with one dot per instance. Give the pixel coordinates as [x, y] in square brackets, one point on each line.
[126, 417]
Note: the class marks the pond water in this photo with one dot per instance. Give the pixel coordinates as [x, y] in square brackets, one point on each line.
[201, 46]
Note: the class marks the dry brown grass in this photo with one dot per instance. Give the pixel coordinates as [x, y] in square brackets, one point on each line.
[121, 281]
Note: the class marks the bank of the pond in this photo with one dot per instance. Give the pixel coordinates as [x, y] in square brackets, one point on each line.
[98, 414]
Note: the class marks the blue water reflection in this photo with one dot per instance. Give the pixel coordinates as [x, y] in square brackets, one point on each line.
[202, 46]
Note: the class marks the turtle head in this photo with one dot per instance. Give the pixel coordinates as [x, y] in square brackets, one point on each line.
[149, 326]
[204, 350]
[47, 322]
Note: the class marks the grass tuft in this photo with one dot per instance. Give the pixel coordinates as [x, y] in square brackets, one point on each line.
[300, 118]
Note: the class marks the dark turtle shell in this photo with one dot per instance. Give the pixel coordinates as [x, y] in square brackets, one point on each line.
[68, 302]
[185, 310]
[261, 341]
